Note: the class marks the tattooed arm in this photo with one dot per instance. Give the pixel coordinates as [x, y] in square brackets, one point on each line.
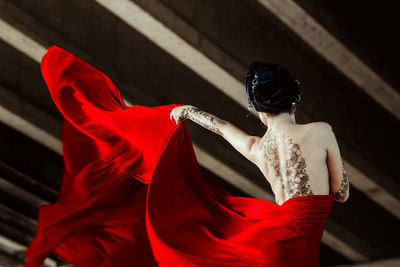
[339, 181]
[207, 120]
[240, 140]
[342, 193]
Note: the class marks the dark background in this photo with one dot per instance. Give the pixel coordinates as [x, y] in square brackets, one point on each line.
[231, 34]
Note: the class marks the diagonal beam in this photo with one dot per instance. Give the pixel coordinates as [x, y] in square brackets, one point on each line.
[15, 248]
[169, 41]
[21, 42]
[204, 158]
[37, 134]
[342, 247]
[391, 262]
[21, 193]
[219, 169]
[26, 183]
[336, 53]
[166, 39]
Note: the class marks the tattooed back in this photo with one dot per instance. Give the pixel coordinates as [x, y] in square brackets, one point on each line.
[293, 160]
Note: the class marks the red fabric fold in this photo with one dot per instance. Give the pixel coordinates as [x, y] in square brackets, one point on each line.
[132, 193]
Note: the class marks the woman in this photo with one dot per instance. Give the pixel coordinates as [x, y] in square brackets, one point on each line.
[296, 159]
[132, 193]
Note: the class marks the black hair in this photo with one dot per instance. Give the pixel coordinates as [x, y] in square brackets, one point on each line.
[270, 88]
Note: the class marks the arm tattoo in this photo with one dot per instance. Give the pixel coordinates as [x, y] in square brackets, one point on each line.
[202, 118]
[344, 186]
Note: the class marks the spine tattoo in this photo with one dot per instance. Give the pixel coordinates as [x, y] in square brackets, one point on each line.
[203, 118]
[291, 171]
[341, 194]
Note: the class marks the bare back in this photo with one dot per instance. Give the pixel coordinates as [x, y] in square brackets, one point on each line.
[296, 159]
[293, 162]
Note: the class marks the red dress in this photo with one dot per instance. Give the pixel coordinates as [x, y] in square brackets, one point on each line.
[132, 193]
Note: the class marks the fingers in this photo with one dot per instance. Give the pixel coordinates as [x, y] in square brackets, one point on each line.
[173, 117]
[178, 119]
[176, 114]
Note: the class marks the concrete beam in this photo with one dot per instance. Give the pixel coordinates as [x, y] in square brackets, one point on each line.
[204, 158]
[161, 35]
[395, 262]
[332, 50]
[28, 184]
[20, 193]
[15, 248]
[147, 25]
[19, 124]
[342, 247]
[21, 42]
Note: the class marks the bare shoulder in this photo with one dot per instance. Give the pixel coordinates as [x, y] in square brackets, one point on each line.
[319, 131]
[319, 124]
[318, 128]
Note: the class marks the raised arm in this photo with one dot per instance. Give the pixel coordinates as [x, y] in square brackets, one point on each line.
[240, 140]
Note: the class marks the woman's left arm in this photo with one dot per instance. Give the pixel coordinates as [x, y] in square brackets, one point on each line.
[240, 140]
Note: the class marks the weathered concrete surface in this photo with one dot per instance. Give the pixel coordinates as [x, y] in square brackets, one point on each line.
[366, 28]
[147, 75]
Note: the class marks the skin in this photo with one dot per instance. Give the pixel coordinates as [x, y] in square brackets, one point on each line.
[296, 159]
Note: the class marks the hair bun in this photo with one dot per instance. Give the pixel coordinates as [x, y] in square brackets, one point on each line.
[271, 88]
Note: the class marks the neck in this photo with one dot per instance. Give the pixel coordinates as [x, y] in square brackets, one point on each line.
[282, 119]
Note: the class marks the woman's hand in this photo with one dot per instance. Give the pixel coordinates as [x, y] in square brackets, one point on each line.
[179, 113]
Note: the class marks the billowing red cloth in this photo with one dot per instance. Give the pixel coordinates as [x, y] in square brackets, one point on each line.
[132, 193]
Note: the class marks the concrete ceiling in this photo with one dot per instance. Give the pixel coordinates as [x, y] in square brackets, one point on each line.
[197, 52]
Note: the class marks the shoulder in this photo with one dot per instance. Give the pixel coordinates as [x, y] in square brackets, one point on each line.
[320, 126]
[320, 130]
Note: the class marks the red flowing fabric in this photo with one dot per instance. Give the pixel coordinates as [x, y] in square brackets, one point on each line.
[132, 193]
